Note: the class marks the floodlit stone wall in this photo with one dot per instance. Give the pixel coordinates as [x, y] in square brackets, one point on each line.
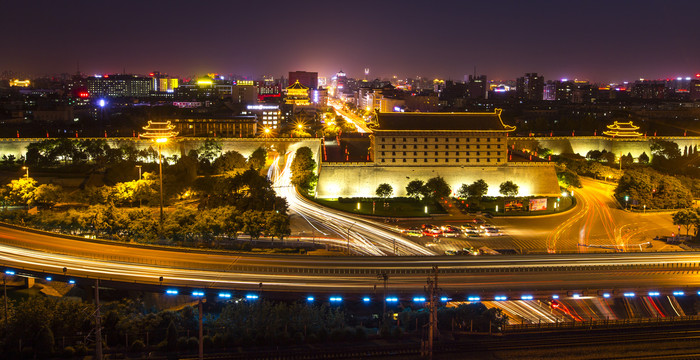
[180, 147]
[583, 144]
[362, 179]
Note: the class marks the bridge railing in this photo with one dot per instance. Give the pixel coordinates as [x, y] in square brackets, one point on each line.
[601, 323]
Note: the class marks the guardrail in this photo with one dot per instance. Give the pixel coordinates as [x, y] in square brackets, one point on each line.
[591, 323]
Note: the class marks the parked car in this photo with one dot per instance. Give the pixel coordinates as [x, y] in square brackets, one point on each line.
[450, 252]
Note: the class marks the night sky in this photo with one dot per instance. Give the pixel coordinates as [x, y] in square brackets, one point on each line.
[607, 41]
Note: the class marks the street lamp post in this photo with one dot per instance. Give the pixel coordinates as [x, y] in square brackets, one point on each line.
[160, 132]
[27, 169]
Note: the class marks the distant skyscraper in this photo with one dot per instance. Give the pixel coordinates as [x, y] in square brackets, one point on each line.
[530, 87]
[119, 86]
[306, 78]
[477, 87]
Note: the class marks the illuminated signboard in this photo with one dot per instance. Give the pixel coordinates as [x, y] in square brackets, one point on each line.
[263, 107]
[538, 204]
[243, 82]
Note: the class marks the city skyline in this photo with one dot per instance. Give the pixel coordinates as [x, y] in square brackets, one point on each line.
[596, 41]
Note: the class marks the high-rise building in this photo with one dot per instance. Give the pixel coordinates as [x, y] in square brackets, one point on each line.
[119, 86]
[695, 89]
[530, 87]
[477, 87]
[306, 78]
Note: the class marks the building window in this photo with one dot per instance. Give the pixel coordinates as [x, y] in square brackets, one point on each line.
[393, 139]
[425, 160]
[488, 139]
[393, 153]
[382, 153]
[382, 146]
[404, 153]
[436, 160]
[436, 153]
[415, 146]
[425, 139]
[404, 160]
[436, 146]
[383, 139]
[447, 153]
[478, 139]
[425, 153]
[447, 160]
[488, 160]
[478, 153]
[447, 146]
[488, 146]
[477, 160]
[383, 160]
[457, 160]
[414, 153]
[415, 140]
[404, 139]
[447, 140]
[425, 146]
[457, 153]
[393, 146]
[415, 160]
[393, 160]
[404, 146]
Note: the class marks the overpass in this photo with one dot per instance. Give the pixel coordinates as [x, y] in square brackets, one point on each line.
[513, 277]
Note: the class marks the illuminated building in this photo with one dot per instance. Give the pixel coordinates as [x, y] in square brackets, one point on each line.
[244, 92]
[695, 89]
[20, 83]
[297, 94]
[530, 87]
[306, 78]
[234, 126]
[649, 89]
[623, 130]
[119, 86]
[341, 82]
[163, 83]
[268, 116]
[318, 96]
[409, 139]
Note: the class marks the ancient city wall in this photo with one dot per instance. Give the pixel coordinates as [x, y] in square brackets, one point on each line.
[179, 147]
[362, 179]
[583, 144]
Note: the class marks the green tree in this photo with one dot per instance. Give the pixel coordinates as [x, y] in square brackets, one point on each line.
[384, 190]
[686, 218]
[568, 178]
[48, 195]
[438, 188]
[416, 189]
[258, 158]
[508, 188]
[253, 223]
[303, 167]
[210, 150]
[229, 161]
[666, 149]
[627, 160]
[20, 191]
[276, 224]
[45, 341]
[643, 158]
[477, 189]
[171, 337]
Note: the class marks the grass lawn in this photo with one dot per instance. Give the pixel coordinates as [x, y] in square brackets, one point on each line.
[497, 206]
[400, 207]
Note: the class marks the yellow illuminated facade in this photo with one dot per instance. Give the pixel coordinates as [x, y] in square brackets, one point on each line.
[297, 94]
[166, 84]
[623, 129]
[19, 83]
[205, 82]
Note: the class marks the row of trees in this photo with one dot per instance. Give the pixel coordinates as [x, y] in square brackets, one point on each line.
[302, 168]
[437, 187]
[36, 324]
[205, 227]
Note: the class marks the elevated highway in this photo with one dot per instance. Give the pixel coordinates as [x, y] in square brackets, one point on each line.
[37, 254]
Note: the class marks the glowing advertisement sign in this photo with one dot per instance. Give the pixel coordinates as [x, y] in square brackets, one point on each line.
[538, 204]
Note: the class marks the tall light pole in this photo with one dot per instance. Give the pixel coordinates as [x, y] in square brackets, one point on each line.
[27, 169]
[139, 167]
[160, 132]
